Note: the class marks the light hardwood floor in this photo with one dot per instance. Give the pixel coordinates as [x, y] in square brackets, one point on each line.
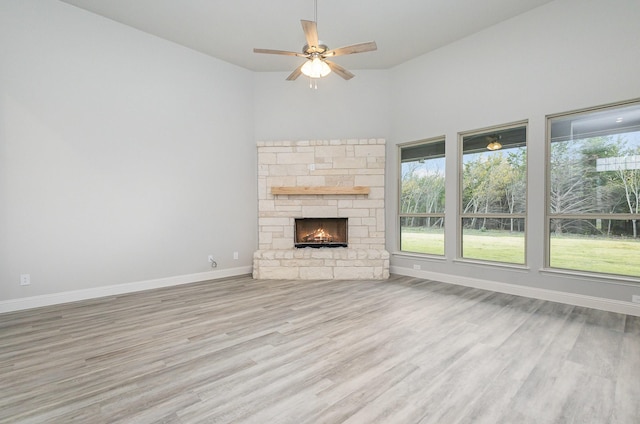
[404, 350]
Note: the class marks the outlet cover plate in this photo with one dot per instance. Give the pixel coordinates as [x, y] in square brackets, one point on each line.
[635, 298]
[25, 279]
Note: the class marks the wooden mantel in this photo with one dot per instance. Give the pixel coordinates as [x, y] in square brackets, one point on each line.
[320, 190]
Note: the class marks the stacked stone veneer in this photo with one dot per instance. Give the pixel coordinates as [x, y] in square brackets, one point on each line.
[315, 163]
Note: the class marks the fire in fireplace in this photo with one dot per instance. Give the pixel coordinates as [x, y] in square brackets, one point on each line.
[320, 232]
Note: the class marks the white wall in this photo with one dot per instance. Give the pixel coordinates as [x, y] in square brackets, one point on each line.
[563, 56]
[123, 158]
[338, 109]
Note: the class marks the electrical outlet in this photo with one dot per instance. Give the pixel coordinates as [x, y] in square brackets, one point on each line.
[635, 298]
[210, 258]
[417, 267]
[235, 255]
[25, 279]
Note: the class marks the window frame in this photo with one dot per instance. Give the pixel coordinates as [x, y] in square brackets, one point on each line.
[460, 216]
[548, 216]
[400, 215]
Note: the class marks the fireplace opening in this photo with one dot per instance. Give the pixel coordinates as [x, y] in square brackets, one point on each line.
[320, 232]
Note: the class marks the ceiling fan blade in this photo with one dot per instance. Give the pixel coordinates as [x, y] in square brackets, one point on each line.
[356, 48]
[296, 73]
[283, 52]
[310, 32]
[340, 70]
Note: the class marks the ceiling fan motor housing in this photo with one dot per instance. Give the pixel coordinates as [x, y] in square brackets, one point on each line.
[320, 48]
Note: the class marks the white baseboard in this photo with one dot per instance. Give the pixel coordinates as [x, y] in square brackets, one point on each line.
[610, 305]
[75, 295]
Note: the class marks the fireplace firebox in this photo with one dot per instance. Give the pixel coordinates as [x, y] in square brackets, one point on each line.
[320, 232]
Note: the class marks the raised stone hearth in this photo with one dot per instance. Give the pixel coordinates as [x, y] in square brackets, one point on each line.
[321, 179]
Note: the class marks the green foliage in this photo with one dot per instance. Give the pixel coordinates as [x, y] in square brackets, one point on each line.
[579, 185]
[422, 188]
[494, 182]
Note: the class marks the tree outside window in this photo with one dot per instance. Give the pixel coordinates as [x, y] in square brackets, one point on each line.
[493, 195]
[422, 189]
[594, 191]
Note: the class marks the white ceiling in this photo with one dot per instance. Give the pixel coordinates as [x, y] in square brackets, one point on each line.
[230, 29]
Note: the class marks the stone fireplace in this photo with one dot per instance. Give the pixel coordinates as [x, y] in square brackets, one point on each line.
[302, 183]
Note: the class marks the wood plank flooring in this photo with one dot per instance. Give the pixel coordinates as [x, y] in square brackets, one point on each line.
[239, 350]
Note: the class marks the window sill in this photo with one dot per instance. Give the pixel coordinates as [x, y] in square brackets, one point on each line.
[513, 267]
[419, 255]
[607, 278]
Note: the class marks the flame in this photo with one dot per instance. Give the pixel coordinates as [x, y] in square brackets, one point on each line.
[319, 235]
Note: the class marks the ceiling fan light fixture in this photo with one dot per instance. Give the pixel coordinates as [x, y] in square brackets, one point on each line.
[316, 68]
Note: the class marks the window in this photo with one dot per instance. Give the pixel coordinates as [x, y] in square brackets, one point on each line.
[493, 194]
[421, 208]
[593, 184]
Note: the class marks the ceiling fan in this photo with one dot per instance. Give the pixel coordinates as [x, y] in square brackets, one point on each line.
[316, 53]
[494, 142]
